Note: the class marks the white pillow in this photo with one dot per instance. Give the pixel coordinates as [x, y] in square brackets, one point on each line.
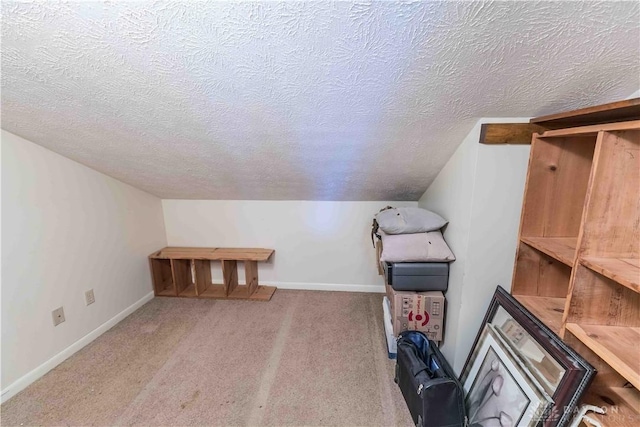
[417, 247]
[409, 220]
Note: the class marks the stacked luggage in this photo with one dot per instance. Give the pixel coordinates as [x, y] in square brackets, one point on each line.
[414, 258]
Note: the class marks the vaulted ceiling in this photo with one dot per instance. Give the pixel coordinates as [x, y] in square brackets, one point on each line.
[298, 100]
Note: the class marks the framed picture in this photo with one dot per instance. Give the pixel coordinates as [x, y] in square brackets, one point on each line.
[552, 367]
[499, 391]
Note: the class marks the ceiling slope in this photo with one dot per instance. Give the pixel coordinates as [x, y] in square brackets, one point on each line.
[298, 100]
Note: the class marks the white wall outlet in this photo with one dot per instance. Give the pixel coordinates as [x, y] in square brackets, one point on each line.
[89, 298]
[58, 316]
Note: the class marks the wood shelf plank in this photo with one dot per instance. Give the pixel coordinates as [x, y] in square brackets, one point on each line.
[618, 346]
[592, 130]
[625, 271]
[243, 254]
[562, 249]
[261, 293]
[166, 292]
[548, 309]
[214, 254]
[628, 109]
[215, 291]
[189, 291]
[622, 405]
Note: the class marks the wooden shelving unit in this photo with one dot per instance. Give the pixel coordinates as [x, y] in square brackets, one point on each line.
[186, 272]
[578, 262]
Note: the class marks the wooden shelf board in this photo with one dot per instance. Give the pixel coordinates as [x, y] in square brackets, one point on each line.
[189, 291]
[548, 309]
[592, 130]
[243, 254]
[625, 271]
[621, 403]
[618, 346]
[239, 292]
[262, 293]
[628, 109]
[214, 291]
[562, 249]
[167, 292]
[215, 254]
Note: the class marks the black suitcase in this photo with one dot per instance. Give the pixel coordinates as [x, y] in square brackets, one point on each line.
[432, 391]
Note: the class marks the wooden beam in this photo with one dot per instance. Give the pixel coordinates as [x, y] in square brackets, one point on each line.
[508, 133]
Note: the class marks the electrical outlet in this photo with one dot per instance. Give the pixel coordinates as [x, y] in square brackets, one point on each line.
[58, 316]
[89, 298]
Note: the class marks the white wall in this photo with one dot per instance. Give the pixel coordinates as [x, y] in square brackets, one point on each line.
[319, 245]
[480, 192]
[66, 229]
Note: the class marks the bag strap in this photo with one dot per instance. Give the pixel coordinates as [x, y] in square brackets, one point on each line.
[374, 232]
[375, 227]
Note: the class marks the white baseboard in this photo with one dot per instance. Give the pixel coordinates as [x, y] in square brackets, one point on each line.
[327, 287]
[306, 286]
[24, 381]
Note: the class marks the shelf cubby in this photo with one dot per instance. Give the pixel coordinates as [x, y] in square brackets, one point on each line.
[182, 277]
[621, 403]
[612, 220]
[559, 170]
[618, 346]
[162, 277]
[609, 390]
[202, 273]
[598, 300]
[538, 274]
[562, 249]
[215, 291]
[548, 309]
[625, 271]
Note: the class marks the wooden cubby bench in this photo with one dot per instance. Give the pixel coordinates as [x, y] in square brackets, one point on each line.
[186, 272]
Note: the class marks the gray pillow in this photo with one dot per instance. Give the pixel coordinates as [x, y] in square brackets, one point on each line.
[409, 220]
[417, 247]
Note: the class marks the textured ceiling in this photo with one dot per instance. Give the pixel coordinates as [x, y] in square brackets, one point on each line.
[298, 100]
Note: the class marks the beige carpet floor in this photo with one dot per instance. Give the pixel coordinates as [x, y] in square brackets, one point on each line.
[302, 359]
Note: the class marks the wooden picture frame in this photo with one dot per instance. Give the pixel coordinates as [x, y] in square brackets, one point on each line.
[562, 373]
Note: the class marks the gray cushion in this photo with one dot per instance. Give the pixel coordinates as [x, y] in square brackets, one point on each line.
[417, 247]
[409, 220]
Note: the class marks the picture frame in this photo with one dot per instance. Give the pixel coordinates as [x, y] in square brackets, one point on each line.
[560, 372]
[499, 390]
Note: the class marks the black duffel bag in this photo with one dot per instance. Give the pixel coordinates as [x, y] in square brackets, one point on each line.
[433, 393]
